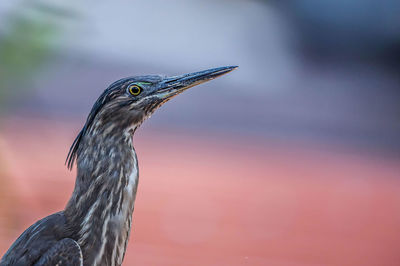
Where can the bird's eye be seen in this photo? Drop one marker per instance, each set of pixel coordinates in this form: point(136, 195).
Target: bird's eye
point(134, 90)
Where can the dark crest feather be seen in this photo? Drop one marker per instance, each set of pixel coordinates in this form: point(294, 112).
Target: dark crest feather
point(101, 101)
point(105, 97)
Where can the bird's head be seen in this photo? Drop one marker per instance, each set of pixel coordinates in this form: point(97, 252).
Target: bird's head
point(126, 103)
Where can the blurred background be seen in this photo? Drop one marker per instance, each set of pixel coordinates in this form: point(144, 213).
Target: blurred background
point(293, 159)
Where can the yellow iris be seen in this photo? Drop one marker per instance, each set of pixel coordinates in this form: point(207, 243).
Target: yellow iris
point(135, 90)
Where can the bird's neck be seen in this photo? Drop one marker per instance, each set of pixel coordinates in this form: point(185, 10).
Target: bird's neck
point(102, 203)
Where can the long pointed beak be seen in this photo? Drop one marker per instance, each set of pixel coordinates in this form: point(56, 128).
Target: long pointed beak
point(172, 86)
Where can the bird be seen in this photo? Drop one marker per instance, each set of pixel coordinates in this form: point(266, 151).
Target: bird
point(95, 226)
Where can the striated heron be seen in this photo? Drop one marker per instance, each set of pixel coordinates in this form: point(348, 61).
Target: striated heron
point(94, 227)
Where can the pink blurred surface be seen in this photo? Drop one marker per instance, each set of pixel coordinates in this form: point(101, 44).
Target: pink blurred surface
point(215, 201)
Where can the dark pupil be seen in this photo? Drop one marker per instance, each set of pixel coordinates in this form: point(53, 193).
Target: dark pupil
point(135, 90)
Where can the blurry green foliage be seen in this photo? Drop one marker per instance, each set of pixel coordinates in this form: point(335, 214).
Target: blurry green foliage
point(25, 44)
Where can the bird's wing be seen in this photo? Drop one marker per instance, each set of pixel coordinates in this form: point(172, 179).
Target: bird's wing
point(39, 240)
point(65, 252)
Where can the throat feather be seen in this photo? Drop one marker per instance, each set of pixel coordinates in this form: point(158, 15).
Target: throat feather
point(104, 207)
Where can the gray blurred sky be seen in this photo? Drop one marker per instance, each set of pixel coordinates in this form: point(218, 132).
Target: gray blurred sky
point(277, 92)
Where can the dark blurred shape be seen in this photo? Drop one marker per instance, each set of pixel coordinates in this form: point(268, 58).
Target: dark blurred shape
point(367, 29)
